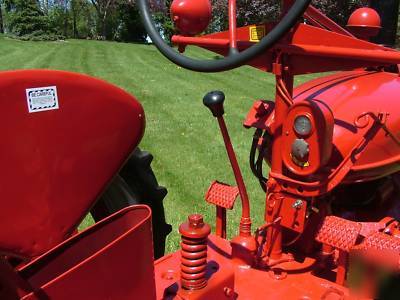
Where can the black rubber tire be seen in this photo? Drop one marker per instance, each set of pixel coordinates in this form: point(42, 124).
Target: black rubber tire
point(137, 184)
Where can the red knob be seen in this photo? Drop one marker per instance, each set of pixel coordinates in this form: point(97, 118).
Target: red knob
point(195, 227)
point(364, 23)
point(191, 17)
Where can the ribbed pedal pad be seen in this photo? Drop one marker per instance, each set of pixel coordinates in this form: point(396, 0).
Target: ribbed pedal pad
point(222, 194)
point(381, 249)
point(380, 241)
point(339, 233)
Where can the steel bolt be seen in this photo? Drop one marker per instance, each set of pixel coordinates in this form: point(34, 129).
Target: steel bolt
point(228, 292)
point(271, 184)
point(196, 221)
point(277, 274)
point(297, 204)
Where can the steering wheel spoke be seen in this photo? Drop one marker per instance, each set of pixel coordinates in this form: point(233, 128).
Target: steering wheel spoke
point(232, 26)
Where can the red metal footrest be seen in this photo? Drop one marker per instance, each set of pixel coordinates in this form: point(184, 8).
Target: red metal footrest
point(380, 241)
point(221, 194)
point(364, 239)
point(382, 249)
point(338, 232)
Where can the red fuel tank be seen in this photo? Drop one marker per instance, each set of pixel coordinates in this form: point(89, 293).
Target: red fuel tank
point(64, 136)
point(349, 95)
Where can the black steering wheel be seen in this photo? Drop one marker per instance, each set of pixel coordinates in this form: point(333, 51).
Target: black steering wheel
point(234, 59)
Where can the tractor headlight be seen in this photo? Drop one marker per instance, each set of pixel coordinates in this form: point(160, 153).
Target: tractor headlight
point(307, 137)
point(302, 125)
point(300, 152)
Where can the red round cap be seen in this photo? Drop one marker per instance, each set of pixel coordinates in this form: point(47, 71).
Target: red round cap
point(365, 17)
point(191, 17)
point(364, 23)
point(195, 227)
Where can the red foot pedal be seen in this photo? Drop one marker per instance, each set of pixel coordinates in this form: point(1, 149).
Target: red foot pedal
point(382, 249)
point(222, 194)
point(339, 233)
point(380, 241)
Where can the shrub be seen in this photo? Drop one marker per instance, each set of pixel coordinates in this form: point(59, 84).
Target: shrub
point(28, 23)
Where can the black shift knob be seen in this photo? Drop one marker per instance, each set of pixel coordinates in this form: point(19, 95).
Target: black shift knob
point(215, 102)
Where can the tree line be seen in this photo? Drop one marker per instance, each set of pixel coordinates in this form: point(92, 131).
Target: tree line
point(60, 19)
point(119, 19)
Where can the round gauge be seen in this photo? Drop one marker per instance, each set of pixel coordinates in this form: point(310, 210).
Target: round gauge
point(302, 125)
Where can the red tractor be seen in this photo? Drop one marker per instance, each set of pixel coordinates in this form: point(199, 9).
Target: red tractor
point(332, 191)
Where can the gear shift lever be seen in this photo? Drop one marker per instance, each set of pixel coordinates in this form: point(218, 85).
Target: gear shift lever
point(215, 102)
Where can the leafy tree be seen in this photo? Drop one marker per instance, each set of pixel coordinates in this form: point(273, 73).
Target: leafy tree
point(25, 17)
point(79, 10)
point(130, 27)
point(248, 12)
point(1, 17)
point(82, 19)
point(45, 5)
point(104, 9)
point(161, 14)
point(59, 16)
point(256, 11)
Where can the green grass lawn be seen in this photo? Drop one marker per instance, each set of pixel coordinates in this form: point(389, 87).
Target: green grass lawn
point(181, 133)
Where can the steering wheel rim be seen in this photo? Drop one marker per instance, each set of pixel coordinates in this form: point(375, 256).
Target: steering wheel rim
point(232, 61)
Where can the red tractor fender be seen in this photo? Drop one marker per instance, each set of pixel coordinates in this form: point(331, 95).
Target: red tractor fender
point(64, 136)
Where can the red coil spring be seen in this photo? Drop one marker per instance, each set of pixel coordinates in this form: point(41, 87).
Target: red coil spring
point(193, 263)
point(194, 252)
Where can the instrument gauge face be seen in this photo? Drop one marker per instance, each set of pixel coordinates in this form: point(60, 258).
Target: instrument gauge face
point(302, 125)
